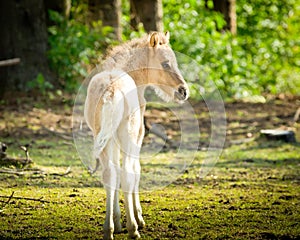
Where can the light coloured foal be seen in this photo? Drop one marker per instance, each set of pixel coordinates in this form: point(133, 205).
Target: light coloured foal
point(114, 111)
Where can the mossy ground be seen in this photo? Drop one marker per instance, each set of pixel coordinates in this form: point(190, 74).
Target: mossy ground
point(253, 192)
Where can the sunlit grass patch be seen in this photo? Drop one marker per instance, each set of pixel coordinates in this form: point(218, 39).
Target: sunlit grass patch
point(251, 192)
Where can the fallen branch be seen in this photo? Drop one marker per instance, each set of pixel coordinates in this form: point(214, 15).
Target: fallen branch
point(5, 160)
point(25, 198)
point(9, 62)
point(11, 172)
point(278, 134)
point(62, 174)
point(21, 172)
point(297, 115)
point(8, 161)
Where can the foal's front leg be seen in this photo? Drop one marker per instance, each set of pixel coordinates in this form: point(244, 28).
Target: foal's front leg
point(136, 198)
point(117, 211)
point(127, 183)
point(137, 169)
point(130, 185)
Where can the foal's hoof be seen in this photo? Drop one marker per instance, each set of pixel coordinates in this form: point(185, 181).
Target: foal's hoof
point(141, 224)
point(134, 235)
point(108, 236)
point(118, 228)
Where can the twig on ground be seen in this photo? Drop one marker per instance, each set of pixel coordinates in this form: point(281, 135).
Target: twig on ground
point(25, 148)
point(7, 202)
point(25, 198)
point(297, 115)
point(11, 172)
point(21, 172)
point(68, 143)
point(68, 171)
point(11, 196)
point(34, 171)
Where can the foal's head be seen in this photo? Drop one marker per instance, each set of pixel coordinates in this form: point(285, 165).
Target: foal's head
point(163, 70)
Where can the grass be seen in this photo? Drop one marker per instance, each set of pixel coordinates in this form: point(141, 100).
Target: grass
point(251, 193)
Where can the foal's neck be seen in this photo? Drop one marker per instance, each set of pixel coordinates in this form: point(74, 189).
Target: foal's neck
point(141, 80)
point(135, 63)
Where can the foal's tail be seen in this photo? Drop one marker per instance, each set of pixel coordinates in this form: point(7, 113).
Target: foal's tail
point(111, 117)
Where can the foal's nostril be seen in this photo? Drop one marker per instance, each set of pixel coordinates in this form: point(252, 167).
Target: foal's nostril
point(182, 91)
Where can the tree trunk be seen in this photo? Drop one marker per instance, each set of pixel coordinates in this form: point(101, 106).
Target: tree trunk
point(61, 6)
point(109, 12)
point(149, 12)
point(227, 8)
point(24, 36)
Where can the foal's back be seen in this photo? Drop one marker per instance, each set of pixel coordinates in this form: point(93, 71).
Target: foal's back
point(111, 98)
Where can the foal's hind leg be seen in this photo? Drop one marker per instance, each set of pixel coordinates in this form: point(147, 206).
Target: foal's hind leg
point(117, 211)
point(110, 180)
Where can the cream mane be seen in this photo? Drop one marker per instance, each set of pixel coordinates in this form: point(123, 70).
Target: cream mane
point(127, 46)
point(135, 43)
point(124, 56)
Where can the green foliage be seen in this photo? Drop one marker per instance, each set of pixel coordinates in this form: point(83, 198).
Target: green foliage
point(274, 42)
point(127, 32)
point(39, 83)
point(264, 57)
point(75, 45)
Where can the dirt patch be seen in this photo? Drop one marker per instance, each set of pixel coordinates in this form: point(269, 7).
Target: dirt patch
point(32, 117)
point(243, 120)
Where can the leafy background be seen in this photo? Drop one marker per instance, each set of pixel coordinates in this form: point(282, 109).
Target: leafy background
point(262, 59)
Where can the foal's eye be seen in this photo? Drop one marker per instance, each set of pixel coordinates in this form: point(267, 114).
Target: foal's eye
point(165, 65)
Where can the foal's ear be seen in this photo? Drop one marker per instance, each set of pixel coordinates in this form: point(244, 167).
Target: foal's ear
point(167, 35)
point(154, 39)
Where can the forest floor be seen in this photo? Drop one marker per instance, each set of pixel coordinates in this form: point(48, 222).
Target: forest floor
point(251, 192)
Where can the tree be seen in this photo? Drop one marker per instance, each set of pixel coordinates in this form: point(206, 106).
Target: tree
point(109, 12)
point(24, 35)
point(149, 12)
point(227, 8)
point(61, 6)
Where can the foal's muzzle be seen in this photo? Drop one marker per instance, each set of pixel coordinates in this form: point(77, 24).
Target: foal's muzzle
point(181, 94)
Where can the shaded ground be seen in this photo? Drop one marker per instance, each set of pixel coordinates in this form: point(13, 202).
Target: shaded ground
point(31, 118)
point(251, 193)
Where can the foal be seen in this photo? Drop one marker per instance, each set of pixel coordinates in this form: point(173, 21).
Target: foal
point(114, 111)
